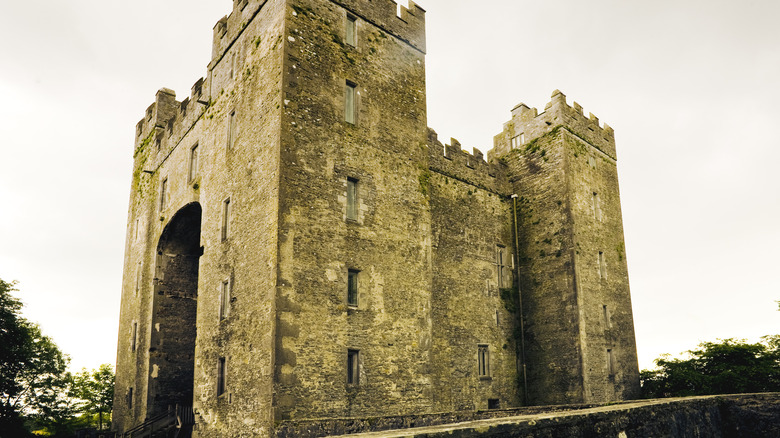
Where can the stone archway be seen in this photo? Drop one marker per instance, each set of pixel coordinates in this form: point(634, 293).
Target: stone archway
point(175, 302)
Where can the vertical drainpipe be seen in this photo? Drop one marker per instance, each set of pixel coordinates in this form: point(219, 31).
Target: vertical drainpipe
point(520, 302)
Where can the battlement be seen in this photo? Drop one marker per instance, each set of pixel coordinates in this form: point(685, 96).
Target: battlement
point(166, 120)
point(229, 27)
point(453, 161)
point(407, 24)
point(527, 124)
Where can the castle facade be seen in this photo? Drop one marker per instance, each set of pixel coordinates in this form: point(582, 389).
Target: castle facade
point(301, 245)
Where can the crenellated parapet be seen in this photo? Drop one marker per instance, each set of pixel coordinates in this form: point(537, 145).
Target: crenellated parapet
point(452, 161)
point(167, 120)
point(527, 124)
point(407, 24)
point(229, 27)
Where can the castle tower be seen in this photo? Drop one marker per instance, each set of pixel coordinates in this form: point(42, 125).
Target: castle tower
point(301, 246)
point(579, 331)
point(274, 268)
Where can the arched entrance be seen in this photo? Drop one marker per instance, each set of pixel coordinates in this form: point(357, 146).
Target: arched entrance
point(175, 302)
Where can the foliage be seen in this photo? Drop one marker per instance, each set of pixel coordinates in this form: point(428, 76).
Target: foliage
point(36, 392)
point(31, 366)
point(726, 367)
point(95, 392)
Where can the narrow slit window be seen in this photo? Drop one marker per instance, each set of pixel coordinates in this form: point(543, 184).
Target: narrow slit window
point(225, 219)
point(231, 135)
point(610, 362)
point(352, 194)
point(607, 317)
point(602, 266)
point(164, 194)
point(350, 102)
point(351, 33)
point(501, 265)
point(221, 370)
point(352, 288)
point(138, 274)
point(483, 361)
point(193, 173)
point(353, 367)
point(134, 337)
point(596, 206)
point(224, 299)
point(130, 398)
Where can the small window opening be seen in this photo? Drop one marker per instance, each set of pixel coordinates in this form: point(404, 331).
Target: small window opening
point(493, 403)
point(221, 369)
point(353, 367)
point(193, 171)
point(130, 398)
point(351, 33)
point(352, 288)
point(164, 194)
point(610, 362)
point(225, 218)
point(607, 317)
point(352, 194)
point(602, 266)
point(231, 137)
point(483, 361)
point(596, 206)
point(134, 337)
point(501, 266)
point(138, 274)
point(224, 299)
point(349, 102)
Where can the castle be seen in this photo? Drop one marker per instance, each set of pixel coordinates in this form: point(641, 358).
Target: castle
point(301, 245)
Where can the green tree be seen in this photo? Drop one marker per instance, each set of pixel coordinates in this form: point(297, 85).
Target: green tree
point(95, 390)
point(725, 367)
point(31, 368)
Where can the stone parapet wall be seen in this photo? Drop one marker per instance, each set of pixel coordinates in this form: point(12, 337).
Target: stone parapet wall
point(746, 415)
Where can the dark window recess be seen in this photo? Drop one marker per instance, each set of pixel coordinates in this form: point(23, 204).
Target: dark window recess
point(352, 288)
point(353, 367)
point(221, 368)
point(483, 361)
point(352, 194)
point(493, 403)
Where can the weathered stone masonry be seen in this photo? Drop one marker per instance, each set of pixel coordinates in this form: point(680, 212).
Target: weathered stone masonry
point(302, 159)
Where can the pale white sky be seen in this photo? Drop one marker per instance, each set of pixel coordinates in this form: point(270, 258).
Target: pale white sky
point(690, 86)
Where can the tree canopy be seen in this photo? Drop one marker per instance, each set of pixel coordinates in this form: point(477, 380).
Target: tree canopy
point(726, 367)
point(36, 391)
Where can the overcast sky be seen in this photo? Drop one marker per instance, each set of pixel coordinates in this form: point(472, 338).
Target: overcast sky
point(692, 89)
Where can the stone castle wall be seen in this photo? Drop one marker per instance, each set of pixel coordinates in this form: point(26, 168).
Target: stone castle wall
point(262, 157)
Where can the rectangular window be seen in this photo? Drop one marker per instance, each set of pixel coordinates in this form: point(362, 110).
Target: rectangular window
point(352, 194)
point(483, 361)
point(164, 194)
point(130, 398)
point(596, 207)
point(231, 135)
point(225, 218)
point(193, 171)
point(352, 288)
point(351, 34)
point(134, 337)
point(610, 362)
point(602, 266)
point(221, 369)
point(607, 317)
point(137, 225)
point(518, 141)
point(349, 102)
point(501, 265)
point(224, 299)
point(353, 367)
